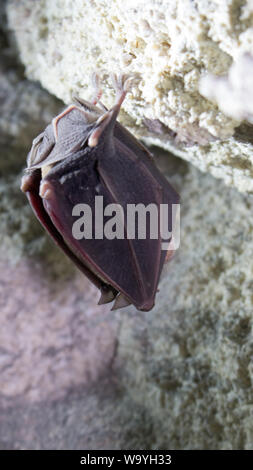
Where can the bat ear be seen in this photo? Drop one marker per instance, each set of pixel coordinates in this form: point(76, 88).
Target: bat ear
point(105, 124)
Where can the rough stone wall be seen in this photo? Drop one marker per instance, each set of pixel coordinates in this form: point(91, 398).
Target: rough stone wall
point(170, 46)
point(74, 375)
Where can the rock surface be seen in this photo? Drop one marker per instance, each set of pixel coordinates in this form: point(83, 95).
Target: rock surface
point(233, 93)
point(169, 46)
point(74, 375)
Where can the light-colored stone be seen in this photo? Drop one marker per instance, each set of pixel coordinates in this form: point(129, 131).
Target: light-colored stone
point(190, 359)
point(177, 377)
point(169, 45)
point(74, 375)
point(233, 93)
point(25, 110)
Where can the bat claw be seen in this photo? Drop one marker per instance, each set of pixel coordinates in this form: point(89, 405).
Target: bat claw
point(122, 84)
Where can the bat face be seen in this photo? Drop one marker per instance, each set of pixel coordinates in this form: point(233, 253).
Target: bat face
point(86, 161)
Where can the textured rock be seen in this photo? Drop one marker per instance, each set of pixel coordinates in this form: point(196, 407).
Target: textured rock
point(25, 110)
point(71, 341)
point(233, 93)
point(191, 357)
point(74, 375)
point(179, 376)
point(169, 45)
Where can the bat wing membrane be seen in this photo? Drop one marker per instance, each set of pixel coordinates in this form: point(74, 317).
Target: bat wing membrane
point(111, 260)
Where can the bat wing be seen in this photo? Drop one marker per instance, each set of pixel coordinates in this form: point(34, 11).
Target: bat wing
point(66, 135)
point(75, 182)
point(141, 153)
point(89, 156)
point(130, 266)
point(32, 183)
point(131, 181)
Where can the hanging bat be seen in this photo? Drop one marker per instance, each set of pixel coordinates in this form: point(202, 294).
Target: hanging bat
point(85, 153)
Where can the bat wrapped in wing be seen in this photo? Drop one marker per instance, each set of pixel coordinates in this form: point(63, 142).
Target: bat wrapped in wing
point(85, 156)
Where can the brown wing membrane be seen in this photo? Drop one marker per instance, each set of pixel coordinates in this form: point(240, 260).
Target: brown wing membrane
point(32, 183)
point(112, 260)
point(141, 153)
point(135, 185)
point(85, 156)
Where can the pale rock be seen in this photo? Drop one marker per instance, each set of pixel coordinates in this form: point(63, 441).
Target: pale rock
point(169, 45)
point(74, 375)
point(233, 93)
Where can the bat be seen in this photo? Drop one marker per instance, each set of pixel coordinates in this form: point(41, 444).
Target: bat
point(84, 156)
